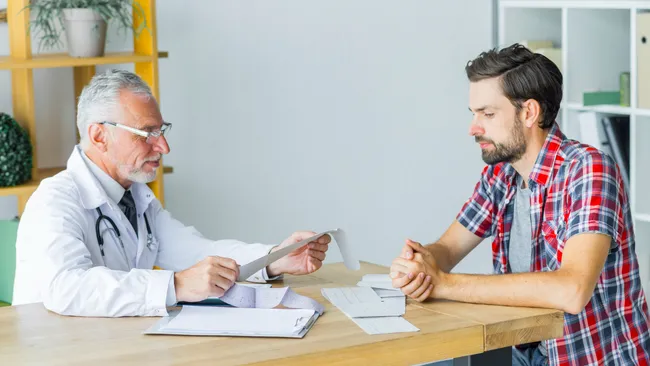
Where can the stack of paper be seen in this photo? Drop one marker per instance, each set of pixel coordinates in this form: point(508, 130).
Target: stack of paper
point(261, 296)
point(268, 298)
point(226, 321)
point(379, 281)
point(374, 313)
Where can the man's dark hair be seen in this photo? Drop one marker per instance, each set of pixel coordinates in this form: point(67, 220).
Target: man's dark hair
point(524, 75)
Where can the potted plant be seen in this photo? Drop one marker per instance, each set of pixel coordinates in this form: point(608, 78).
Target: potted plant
point(83, 21)
point(15, 153)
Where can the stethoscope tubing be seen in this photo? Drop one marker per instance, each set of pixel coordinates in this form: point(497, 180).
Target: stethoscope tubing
point(100, 239)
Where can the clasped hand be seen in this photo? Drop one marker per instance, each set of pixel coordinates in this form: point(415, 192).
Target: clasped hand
point(415, 272)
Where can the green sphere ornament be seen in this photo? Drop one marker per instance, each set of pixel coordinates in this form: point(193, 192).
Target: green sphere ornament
point(15, 153)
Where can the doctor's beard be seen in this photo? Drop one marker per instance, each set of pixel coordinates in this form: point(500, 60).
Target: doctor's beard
point(138, 175)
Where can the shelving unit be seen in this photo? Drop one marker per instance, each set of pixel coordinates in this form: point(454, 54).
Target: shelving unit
point(598, 41)
point(21, 62)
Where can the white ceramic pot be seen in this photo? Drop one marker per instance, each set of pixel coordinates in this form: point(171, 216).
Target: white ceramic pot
point(85, 31)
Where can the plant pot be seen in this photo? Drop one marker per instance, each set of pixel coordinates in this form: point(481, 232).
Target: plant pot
point(85, 31)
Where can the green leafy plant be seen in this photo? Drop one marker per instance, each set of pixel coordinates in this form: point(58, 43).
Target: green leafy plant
point(48, 23)
point(15, 153)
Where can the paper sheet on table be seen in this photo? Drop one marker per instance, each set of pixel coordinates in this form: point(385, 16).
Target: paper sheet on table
point(339, 236)
point(362, 302)
point(383, 293)
point(242, 296)
point(382, 281)
point(201, 320)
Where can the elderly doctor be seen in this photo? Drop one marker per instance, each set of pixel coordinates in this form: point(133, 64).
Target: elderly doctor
point(90, 236)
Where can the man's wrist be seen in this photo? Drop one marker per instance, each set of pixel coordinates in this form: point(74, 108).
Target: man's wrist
point(176, 287)
point(171, 299)
point(442, 287)
point(274, 269)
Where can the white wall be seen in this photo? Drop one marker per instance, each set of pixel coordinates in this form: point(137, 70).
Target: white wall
point(320, 114)
point(313, 115)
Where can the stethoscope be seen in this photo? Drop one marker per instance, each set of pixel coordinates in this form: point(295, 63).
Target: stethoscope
point(100, 239)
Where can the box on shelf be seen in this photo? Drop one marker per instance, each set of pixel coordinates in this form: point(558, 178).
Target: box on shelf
point(536, 44)
point(545, 47)
point(601, 97)
point(553, 54)
point(643, 59)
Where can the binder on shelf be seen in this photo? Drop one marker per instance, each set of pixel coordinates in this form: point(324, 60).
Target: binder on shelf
point(617, 133)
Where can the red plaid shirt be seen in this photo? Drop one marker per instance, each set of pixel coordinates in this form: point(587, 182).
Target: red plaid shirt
point(574, 189)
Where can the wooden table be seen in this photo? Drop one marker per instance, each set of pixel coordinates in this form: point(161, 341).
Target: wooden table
point(29, 334)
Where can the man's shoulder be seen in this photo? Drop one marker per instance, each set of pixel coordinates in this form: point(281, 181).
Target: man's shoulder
point(575, 156)
point(53, 189)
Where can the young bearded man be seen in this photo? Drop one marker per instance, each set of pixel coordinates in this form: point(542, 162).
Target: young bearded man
point(559, 215)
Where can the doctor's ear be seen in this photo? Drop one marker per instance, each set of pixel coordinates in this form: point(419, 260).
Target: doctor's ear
point(98, 136)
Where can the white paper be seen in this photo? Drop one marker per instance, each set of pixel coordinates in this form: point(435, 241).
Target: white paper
point(377, 281)
point(266, 298)
point(257, 285)
point(383, 293)
point(260, 285)
point(339, 236)
point(240, 296)
point(356, 302)
point(376, 278)
point(396, 304)
point(237, 321)
point(371, 312)
point(384, 325)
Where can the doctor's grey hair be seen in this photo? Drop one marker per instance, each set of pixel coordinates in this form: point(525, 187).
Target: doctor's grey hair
point(100, 99)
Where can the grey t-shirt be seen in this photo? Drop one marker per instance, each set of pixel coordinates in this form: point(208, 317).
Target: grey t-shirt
point(521, 242)
point(520, 248)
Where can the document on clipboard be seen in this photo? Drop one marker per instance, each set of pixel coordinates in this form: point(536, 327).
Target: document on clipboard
point(236, 322)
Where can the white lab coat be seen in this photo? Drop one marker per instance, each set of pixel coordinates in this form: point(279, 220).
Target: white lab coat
point(58, 261)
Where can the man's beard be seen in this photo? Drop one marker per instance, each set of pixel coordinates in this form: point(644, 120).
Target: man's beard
point(506, 152)
point(138, 175)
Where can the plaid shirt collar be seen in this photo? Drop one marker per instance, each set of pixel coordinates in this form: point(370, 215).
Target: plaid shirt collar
point(543, 168)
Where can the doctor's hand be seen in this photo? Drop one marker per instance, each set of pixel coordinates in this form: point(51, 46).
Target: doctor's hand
point(212, 276)
point(304, 260)
point(415, 271)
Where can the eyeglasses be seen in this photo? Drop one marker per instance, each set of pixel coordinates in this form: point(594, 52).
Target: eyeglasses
point(150, 137)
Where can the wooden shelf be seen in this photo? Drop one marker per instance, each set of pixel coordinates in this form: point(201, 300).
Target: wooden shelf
point(52, 60)
point(29, 187)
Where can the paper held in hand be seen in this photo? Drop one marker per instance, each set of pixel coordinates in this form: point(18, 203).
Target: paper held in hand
point(339, 236)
